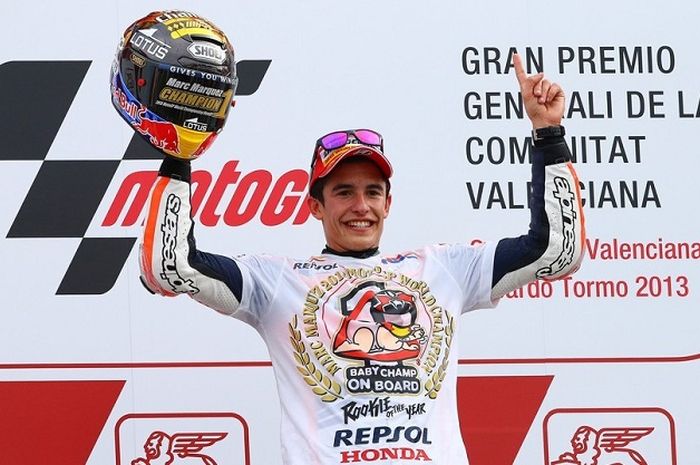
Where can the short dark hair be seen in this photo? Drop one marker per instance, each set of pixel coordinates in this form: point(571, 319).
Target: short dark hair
point(316, 190)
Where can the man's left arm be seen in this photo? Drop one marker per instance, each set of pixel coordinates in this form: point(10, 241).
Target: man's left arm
point(554, 245)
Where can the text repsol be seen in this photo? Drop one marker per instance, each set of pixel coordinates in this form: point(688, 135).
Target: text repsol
point(381, 434)
point(243, 196)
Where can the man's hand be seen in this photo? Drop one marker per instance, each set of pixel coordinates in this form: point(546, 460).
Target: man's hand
point(544, 100)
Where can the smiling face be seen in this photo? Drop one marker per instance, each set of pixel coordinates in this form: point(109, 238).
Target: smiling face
point(355, 204)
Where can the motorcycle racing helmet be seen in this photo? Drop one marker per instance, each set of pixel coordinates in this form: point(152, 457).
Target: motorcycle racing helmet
point(173, 80)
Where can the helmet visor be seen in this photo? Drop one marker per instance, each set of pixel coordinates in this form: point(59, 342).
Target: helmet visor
point(193, 99)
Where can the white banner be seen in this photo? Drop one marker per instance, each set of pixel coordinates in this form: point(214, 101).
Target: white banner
point(609, 356)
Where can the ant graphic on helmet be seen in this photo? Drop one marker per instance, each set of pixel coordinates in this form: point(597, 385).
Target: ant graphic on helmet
point(381, 326)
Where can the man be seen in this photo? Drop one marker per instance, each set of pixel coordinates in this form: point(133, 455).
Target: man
point(363, 345)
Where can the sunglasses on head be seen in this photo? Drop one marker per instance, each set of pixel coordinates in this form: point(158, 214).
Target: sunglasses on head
point(338, 139)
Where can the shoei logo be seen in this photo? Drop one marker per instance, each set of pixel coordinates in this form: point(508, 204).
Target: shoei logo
point(608, 436)
point(138, 60)
point(181, 438)
point(207, 51)
point(97, 261)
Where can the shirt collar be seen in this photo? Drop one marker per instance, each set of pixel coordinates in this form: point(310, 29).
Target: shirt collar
point(352, 253)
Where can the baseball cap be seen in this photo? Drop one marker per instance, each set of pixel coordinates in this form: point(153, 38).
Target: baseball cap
point(337, 146)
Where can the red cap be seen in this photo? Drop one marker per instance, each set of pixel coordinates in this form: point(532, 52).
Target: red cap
point(325, 161)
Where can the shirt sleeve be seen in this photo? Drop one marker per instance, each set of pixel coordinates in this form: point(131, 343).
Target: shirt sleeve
point(553, 248)
point(471, 268)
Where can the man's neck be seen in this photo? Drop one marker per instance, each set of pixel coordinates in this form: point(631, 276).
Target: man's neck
point(353, 253)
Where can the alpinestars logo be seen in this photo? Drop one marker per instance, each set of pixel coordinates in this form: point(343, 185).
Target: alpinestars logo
point(169, 265)
point(567, 204)
point(57, 206)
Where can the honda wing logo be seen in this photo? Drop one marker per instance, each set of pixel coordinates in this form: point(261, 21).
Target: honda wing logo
point(609, 436)
point(161, 448)
point(604, 446)
point(179, 438)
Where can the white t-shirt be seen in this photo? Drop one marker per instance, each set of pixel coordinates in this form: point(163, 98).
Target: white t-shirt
point(365, 350)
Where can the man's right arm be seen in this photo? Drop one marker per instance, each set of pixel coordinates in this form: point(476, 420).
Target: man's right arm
point(169, 259)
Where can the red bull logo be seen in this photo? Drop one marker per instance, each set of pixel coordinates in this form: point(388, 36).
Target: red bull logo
point(127, 106)
point(162, 134)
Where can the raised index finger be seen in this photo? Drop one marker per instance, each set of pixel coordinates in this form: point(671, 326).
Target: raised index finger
point(519, 70)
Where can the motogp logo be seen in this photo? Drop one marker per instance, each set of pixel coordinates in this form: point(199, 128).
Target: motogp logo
point(97, 261)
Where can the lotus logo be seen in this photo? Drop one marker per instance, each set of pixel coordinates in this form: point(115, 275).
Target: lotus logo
point(194, 123)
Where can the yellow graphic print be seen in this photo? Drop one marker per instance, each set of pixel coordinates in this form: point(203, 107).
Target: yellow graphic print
point(180, 27)
point(321, 385)
point(384, 331)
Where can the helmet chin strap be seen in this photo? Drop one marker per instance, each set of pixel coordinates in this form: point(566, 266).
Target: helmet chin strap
point(366, 253)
